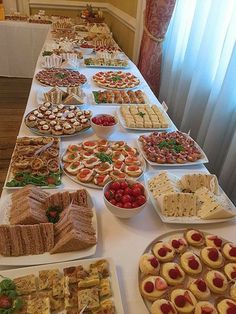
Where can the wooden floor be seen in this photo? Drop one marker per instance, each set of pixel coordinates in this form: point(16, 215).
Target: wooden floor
point(13, 98)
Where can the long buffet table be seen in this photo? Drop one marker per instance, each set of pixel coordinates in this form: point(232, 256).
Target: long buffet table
point(123, 240)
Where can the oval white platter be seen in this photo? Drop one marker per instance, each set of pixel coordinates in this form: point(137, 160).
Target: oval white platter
point(45, 258)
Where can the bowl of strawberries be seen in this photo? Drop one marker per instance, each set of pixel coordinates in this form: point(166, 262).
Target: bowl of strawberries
point(125, 198)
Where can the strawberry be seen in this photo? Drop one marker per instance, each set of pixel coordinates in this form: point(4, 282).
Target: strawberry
point(206, 309)
point(53, 213)
point(218, 282)
point(180, 301)
point(149, 287)
point(166, 308)
point(160, 284)
point(188, 298)
point(201, 285)
point(193, 263)
point(213, 254)
point(154, 262)
point(232, 251)
point(162, 252)
point(196, 237)
point(233, 275)
point(174, 273)
point(217, 241)
point(230, 304)
point(175, 243)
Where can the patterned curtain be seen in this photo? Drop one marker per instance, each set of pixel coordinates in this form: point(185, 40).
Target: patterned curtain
point(157, 17)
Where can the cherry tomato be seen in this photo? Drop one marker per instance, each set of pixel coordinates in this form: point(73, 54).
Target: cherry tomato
point(113, 201)
point(5, 302)
point(119, 204)
point(118, 197)
point(141, 199)
point(128, 191)
point(109, 195)
point(120, 191)
point(136, 191)
point(135, 205)
point(126, 199)
point(123, 185)
point(127, 205)
point(138, 185)
point(115, 185)
point(51, 180)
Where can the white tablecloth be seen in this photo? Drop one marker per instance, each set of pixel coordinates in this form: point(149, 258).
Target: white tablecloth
point(123, 240)
point(20, 45)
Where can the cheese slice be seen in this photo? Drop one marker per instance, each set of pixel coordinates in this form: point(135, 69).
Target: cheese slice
point(192, 182)
point(210, 206)
point(162, 184)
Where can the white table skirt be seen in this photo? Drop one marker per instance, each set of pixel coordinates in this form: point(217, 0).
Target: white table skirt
point(122, 239)
point(20, 45)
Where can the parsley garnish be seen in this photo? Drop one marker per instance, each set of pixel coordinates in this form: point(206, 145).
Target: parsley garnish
point(171, 144)
point(116, 78)
point(104, 157)
point(141, 114)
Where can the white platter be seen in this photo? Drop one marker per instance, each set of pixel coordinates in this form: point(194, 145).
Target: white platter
point(167, 119)
point(111, 88)
point(185, 220)
point(40, 97)
point(147, 101)
point(14, 273)
point(200, 161)
point(106, 66)
point(45, 258)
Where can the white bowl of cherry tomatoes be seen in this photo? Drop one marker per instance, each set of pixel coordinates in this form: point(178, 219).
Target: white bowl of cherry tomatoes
point(103, 124)
point(125, 198)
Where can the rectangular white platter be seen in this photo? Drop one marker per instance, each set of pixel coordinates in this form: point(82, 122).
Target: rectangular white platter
point(93, 101)
point(45, 258)
point(203, 160)
point(14, 273)
point(167, 118)
point(185, 220)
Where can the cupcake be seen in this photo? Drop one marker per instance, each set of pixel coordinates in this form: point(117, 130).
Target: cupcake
point(212, 257)
point(191, 263)
point(183, 300)
point(230, 271)
point(213, 241)
point(163, 251)
point(194, 237)
point(149, 264)
point(179, 244)
point(216, 281)
point(205, 307)
point(172, 273)
point(163, 306)
point(229, 251)
point(226, 306)
point(153, 287)
point(199, 289)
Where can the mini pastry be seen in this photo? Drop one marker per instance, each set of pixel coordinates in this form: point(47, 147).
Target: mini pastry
point(101, 179)
point(172, 273)
point(45, 129)
point(31, 121)
point(118, 156)
point(232, 291)
point(119, 145)
point(212, 257)
point(163, 306)
point(89, 145)
point(199, 289)
point(229, 251)
point(194, 237)
point(129, 161)
point(42, 122)
point(53, 123)
point(85, 175)
point(133, 171)
point(163, 251)
point(74, 148)
point(149, 264)
point(119, 165)
point(77, 125)
point(153, 287)
point(87, 154)
point(191, 263)
point(103, 143)
point(57, 130)
point(48, 113)
point(74, 167)
point(43, 109)
point(91, 162)
point(216, 281)
point(226, 306)
point(104, 168)
point(68, 129)
point(117, 175)
point(183, 300)
point(205, 307)
point(70, 157)
point(179, 244)
point(230, 271)
point(103, 149)
point(213, 241)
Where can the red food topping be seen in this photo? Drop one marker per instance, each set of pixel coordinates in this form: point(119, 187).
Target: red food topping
point(231, 310)
point(217, 242)
point(174, 273)
point(196, 237)
point(233, 274)
point(231, 305)
point(162, 252)
point(232, 251)
point(201, 285)
point(160, 284)
point(218, 282)
point(193, 264)
point(104, 120)
point(180, 301)
point(207, 309)
point(166, 308)
point(213, 254)
point(149, 287)
point(154, 262)
point(5, 302)
point(176, 244)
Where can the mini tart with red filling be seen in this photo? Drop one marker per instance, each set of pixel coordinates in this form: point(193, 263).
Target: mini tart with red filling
point(229, 251)
point(117, 175)
point(70, 157)
point(232, 291)
point(212, 257)
point(216, 281)
point(213, 241)
point(226, 306)
point(103, 149)
point(163, 251)
point(129, 161)
point(205, 307)
point(103, 143)
point(73, 148)
point(173, 273)
point(101, 179)
point(119, 165)
point(118, 145)
point(163, 306)
point(85, 175)
point(153, 287)
point(180, 245)
point(183, 300)
point(199, 289)
point(89, 145)
point(191, 263)
point(104, 168)
point(230, 271)
point(118, 156)
point(133, 171)
point(149, 264)
point(87, 154)
point(74, 167)
point(91, 162)
point(194, 237)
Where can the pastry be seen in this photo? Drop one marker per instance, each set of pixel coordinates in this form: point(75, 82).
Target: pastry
point(163, 306)
point(194, 237)
point(85, 175)
point(172, 273)
point(179, 244)
point(74, 167)
point(232, 291)
point(101, 179)
point(149, 264)
point(205, 307)
point(183, 300)
point(229, 251)
point(46, 278)
point(199, 289)
point(213, 241)
point(133, 171)
point(212, 257)
point(230, 271)
point(191, 263)
point(226, 306)
point(163, 251)
point(216, 281)
point(153, 287)
point(91, 162)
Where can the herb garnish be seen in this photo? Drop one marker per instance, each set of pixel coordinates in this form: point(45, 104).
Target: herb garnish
point(171, 144)
point(116, 78)
point(10, 301)
point(61, 75)
point(104, 157)
point(53, 213)
point(24, 178)
point(47, 53)
point(141, 114)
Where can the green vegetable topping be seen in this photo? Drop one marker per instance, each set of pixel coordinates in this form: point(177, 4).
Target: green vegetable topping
point(53, 213)
point(141, 114)
point(104, 157)
point(10, 301)
point(24, 178)
point(116, 78)
point(171, 144)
